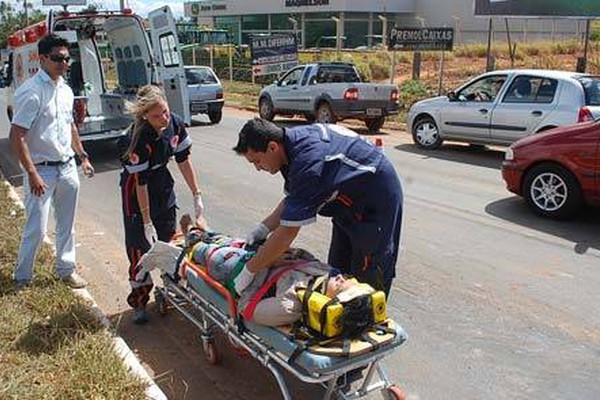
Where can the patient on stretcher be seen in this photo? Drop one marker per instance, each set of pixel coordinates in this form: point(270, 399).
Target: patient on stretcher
point(223, 257)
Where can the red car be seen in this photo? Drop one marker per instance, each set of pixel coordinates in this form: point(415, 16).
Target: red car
point(556, 171)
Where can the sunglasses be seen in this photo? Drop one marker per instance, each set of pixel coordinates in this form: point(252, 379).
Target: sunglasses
point(59, 58)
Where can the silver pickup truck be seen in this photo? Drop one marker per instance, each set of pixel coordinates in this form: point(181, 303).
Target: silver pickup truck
point(329, 92)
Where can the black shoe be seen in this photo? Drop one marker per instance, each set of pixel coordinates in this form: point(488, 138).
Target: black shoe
point(140, 316)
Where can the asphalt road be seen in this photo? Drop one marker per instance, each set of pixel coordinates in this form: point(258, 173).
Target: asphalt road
point(498, 303)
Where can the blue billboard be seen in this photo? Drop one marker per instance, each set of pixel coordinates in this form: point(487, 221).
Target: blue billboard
point(272, 54)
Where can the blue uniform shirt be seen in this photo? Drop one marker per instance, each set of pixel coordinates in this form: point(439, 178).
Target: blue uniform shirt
point(323, 161)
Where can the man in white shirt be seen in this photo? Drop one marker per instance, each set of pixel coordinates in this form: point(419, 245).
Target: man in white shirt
point(46, 140)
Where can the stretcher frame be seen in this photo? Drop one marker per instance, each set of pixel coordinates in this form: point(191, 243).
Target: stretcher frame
point(208, 317)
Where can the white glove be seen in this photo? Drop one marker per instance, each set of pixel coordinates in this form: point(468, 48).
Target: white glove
point(150, 233)
point(243, 280)
point(257, 234)
point(198, 205)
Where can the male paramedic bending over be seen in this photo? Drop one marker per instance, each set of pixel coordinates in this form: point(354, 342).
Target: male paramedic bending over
point(328, 170)
point(45, 138)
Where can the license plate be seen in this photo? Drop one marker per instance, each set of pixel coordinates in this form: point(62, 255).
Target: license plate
point(374, 112)
point(199, 107)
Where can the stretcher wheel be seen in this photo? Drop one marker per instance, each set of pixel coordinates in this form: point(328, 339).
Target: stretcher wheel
point(393, 392)
point(210, 352)
point(161, 303)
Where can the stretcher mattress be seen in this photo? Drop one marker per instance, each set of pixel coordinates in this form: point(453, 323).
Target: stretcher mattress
point(311, 363)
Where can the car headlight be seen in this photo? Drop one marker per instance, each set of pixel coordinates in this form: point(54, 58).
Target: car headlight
point(509, 155)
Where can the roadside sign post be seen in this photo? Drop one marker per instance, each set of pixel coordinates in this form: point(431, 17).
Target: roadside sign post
point(393, 69)
point(441, 80)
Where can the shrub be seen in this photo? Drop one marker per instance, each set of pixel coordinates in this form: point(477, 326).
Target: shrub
point(379, 71)
point(412, 91)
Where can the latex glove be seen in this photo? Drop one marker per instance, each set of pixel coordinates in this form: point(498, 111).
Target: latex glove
point(198, 205)
point(243, 280)
point(150, 233)
point(257, 234)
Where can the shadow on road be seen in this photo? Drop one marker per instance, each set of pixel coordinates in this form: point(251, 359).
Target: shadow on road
point(171, 347)
point(196, 122)
point(479, 156)
point(582, 230)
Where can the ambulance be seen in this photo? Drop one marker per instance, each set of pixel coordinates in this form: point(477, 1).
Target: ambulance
point(111, 57)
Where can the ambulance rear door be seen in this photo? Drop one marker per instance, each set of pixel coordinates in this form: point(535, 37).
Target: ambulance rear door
point(169, 62)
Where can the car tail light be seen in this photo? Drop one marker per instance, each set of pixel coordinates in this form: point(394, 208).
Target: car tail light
point(351, 94)
point(394, 95)
point(219, 94)
point(585, 115)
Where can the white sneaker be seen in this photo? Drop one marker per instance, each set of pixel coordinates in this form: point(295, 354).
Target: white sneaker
point(74, 281)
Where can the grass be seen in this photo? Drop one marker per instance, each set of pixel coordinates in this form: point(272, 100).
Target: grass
point(51, 346)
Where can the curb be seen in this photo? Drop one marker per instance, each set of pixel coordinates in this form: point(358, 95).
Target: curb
point(153, 392)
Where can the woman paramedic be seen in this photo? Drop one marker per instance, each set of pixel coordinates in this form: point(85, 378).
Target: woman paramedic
point(148, 198)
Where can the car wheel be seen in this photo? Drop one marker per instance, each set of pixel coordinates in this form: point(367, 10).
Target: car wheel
point(325, 114)
point(265, 109)
point(552, 191)
point(374, 124)
point(426, 134)
point(215, 116)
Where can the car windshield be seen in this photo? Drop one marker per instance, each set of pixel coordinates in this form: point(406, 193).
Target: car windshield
point(591, 88)
point(196, 76)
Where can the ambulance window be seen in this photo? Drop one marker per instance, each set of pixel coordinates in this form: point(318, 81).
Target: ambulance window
point(136, 51)
point(127, 52)
point(168, 48)
point(118, 53)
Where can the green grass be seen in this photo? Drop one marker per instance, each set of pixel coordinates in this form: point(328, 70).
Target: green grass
point(51, 346)
point(241, 94)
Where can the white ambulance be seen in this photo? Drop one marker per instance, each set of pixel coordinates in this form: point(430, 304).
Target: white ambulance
point(105, 45)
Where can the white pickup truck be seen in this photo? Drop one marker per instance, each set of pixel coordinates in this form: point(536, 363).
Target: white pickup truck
point(329, 92)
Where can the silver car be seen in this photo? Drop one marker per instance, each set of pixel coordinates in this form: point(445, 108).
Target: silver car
point(501, 107)
point(205, 92)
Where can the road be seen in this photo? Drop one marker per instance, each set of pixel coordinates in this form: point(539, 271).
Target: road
point(498, 303)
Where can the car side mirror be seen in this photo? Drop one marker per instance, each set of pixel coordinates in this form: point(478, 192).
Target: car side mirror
point(452, 96)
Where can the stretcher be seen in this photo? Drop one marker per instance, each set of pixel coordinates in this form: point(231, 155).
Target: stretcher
point(210, 307)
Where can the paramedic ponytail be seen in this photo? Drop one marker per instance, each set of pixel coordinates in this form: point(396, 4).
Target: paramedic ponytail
point(147, 97)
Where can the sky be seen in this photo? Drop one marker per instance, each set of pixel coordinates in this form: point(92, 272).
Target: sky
point(140, 7)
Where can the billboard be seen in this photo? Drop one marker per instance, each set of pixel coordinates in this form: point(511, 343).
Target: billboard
point(421, 39)
point(537, 8)
point(272, 54)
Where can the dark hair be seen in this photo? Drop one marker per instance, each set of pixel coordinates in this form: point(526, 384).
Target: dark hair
point(357, 316)
point(50, 41)
point(256, 134)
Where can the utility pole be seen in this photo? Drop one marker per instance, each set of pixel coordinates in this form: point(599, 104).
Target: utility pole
point(26, 13)
point(338, 39)
point(384, 29)
point(122, 4)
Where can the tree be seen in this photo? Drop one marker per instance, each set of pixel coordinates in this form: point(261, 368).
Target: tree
point(12, 20)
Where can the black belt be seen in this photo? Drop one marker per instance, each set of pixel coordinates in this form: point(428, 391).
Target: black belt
point(54, 163)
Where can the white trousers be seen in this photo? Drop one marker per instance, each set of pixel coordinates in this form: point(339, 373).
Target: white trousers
point(62, 193)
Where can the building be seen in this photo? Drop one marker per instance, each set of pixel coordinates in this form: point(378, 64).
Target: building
point(354, 23)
